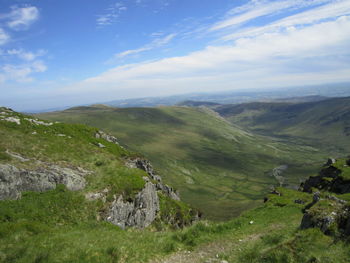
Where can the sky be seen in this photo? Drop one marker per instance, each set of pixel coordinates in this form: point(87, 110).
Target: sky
point(56, 53)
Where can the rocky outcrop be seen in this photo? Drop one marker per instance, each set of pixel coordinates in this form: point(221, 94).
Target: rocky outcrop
point(13, 181)
point(331, 215)
point(38, 122)
point(329, 179)
point(144, 208)
point(145, 165)
point(107, 137)
point(327, 212)
point(139, 213)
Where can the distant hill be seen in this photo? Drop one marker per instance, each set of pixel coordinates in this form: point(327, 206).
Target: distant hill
point(192, 103)
point(241, 95)
point(301, 99)
point(324, 123)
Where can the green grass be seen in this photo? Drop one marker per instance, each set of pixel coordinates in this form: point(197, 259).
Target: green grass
point(61, 226)
point(217, 167)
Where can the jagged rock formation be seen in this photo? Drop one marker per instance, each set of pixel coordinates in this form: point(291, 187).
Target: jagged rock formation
point(140, 213)
point(143, 209)
point(330, 214)
point(107, 137)
point(145, 165)
point(329, 179)
point(327, 212)
point(13, 180)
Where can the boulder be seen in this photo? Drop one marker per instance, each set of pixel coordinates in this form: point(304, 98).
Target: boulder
point(140, 212)
point(329, 179)
point(13, 181)
point(330, 161)
point(331, 216)
point(107, 137)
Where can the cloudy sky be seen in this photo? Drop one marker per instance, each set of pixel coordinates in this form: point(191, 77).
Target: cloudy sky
point(58, 52)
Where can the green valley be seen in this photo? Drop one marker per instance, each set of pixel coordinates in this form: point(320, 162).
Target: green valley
point(218, 167)
point(323, 124)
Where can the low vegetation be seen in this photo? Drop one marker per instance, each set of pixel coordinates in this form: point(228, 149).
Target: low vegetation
point(219, 168)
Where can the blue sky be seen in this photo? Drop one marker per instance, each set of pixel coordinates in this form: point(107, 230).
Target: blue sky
point(56, 52)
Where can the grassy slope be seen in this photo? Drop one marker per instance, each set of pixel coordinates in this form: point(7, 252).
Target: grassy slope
point(60, 225)
point(219, 168)
point(324, 124)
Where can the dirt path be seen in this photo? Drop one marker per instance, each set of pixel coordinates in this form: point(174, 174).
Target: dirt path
point(208, 253)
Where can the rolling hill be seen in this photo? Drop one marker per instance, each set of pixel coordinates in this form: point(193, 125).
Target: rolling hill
point(324, 124)
point(217, 167)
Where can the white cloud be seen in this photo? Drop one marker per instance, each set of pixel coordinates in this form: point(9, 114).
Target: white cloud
point(4, 37)
point(21, 18)
point(158, 42)
point(325, 12)
point(256, 9)
point(275, 59)
point(26, 55)
point(21, 73)
point(111, 15)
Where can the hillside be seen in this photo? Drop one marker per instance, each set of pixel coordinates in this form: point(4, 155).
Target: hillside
point(66, 191)
point(217, 167)
point(324, 124)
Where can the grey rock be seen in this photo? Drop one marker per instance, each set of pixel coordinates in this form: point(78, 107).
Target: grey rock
point(13, 119)
point(330, 161)
point(169, 191)
point(322, 222)
point(316, 197)
point(329, 179)
point(299, 201)
point(334, 222)
point(17, 156)
point(14, 181)
point(139, 213)
point(107, 137)
point(37, 122)
point(101, 145)
point(146, 165)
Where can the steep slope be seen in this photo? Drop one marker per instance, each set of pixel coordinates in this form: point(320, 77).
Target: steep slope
point(325, 124)
point(217, 167)
point(65, 188)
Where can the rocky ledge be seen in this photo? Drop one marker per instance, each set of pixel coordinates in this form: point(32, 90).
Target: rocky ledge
point(329, 179)
point(139, 213)
point(145, 165)
point(328, 212)
point(14, 181)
